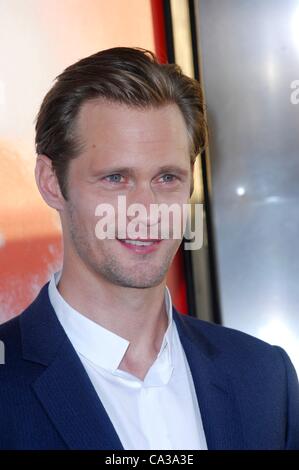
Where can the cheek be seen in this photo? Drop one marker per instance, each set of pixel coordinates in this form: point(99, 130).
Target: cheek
point(84, 203)
point(82, 218)
point(180, 194)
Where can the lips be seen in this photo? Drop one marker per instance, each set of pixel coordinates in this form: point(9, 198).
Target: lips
point(140, 242)
point(139, 245)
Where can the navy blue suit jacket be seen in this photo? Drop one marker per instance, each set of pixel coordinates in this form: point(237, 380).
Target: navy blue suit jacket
point(247, 390)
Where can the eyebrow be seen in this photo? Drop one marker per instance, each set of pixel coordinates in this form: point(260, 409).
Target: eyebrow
point(173, 169)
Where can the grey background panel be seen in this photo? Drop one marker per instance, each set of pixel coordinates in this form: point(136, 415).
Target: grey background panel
point(249, 52)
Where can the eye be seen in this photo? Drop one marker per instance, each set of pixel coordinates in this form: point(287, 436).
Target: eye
point(115, 178)
point(168, 178)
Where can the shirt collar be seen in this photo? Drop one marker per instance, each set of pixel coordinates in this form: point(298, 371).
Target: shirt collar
point(97, 344)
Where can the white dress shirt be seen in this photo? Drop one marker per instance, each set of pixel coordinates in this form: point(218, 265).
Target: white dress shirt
point(159, 412)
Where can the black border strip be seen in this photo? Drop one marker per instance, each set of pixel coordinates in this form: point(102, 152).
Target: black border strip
point(216, 310)
point(168, 31)
point(187, 259)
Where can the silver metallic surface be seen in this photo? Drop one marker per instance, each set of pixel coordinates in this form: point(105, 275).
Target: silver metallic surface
point(249, 52)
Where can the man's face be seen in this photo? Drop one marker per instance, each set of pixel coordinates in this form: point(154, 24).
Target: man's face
point(142, 155)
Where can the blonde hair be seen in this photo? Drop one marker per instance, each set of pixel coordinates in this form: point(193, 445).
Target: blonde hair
point(131, 76)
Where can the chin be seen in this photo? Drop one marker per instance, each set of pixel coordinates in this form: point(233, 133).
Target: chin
point(136, 282)
point(141, 284)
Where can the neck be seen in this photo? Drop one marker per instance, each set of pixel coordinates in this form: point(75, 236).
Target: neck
point(138, 315)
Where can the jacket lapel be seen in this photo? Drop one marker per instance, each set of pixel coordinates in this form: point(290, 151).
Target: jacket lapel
point(216, 398)
point(68, 397)
point(64, 388)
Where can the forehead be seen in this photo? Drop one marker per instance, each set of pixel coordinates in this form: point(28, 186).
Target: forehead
point(114, 126)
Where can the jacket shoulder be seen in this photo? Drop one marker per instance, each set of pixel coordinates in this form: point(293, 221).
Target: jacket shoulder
point(225, 338)
point(12, 341)
point(10, 337)
point(238, 353)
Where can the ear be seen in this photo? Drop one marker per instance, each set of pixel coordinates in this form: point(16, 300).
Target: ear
point(47, 183)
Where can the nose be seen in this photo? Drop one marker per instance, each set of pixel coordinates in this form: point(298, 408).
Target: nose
point(139, 206)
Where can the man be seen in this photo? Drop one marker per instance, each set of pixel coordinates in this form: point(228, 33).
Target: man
point(101, 360)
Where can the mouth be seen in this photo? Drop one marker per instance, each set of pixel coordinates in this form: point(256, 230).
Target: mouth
point(139, 245)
